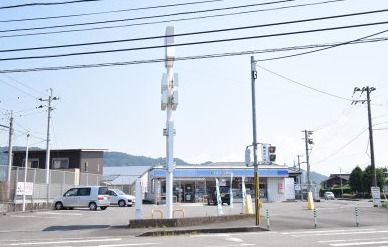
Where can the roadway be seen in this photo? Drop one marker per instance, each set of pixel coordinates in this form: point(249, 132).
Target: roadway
point(291, 225)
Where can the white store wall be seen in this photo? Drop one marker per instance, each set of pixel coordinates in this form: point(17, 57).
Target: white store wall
point(276, 189)
point(290, 188)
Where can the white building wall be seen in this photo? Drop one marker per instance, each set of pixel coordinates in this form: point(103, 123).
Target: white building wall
point(276, 189)
point(290, 188)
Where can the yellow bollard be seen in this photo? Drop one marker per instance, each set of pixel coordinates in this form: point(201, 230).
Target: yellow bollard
point(310, 201)
point(178, 210)
point(153, 211)
point(248, 205)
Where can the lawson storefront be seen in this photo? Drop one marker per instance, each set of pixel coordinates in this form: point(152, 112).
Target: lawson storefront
point(192, 183)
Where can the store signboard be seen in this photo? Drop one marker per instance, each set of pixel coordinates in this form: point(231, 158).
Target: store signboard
point(201, 172)
point(375, 195)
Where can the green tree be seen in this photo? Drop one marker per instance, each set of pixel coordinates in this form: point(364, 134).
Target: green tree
point(367, 178)
point(355, 180)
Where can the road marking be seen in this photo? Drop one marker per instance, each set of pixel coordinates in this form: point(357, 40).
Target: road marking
point(32, 216)
point(231, 245)
point(360, 243)
point(57, 213)
point(65, 242)
point(328, 231)
point(120, 245)
point(53, 239)
point(234, 239)
point(349, 240)
point(337, 233)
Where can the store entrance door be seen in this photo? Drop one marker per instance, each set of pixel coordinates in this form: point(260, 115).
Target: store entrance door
point(188, 192)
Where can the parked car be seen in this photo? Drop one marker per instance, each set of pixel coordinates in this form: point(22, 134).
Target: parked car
point(90, 197)
point(117, 197)
point(329, 195)
point(224, 193)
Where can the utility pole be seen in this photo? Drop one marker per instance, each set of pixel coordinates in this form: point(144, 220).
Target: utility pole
point(300, 178)
point(169, 103)
point(10, 157)
point(368, 90)
point(49, 109)
point(255, 165)
point(308, 140)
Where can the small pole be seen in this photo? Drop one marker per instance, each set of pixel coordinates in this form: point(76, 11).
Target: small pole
point(25, 177)
point(267, 217)
point(315, 217)
point(357, 212)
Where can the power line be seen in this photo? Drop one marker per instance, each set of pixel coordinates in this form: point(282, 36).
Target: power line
point(141, 18)
point(167, 21)
point(321, 49)
point(25, 85)
point(21, 90)
point(196, 33)
point(110, 12)
point(195, 43)
point(162, 60)
point(45, 4)
point(303, 85)
point(342, 147)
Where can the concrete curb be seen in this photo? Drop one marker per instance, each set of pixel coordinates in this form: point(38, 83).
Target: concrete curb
point(159, 233)
point(184, 222)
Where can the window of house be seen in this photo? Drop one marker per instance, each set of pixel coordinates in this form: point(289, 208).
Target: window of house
point(32, 163)
point(60, 163)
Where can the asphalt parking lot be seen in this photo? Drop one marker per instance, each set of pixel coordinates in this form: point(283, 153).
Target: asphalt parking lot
point(284, 216)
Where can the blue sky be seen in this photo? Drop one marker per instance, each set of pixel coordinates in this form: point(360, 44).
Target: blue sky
point(118, 108)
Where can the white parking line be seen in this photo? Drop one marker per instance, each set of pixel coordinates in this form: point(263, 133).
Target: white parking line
point(349, 240)
point(65, 242)
point(360, 243)
point(32, 216)
point(328, 231)
point(57, 213)
point(338, 233)
point(122, 245)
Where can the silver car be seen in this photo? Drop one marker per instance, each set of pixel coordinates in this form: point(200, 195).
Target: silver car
point(90, 197)
point(329, 195)
point(117, 197)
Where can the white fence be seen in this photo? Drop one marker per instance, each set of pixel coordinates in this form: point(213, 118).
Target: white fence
point(60, 181)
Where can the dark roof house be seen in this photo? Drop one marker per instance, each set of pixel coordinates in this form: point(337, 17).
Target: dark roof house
point(86, 160)
point(335, 180)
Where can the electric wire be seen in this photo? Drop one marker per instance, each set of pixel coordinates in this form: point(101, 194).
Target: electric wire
point(111, 11)
point(342, 147)
point(320, 49)
point(45, 4)
point(195, 33)
point(303, 85)
point(140, 18)
point(25, 85)
point(207, 42)
point(167, 21)
point(21, 90)
point(162, 60)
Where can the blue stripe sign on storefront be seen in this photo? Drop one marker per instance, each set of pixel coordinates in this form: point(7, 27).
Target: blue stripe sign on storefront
point(220, 172)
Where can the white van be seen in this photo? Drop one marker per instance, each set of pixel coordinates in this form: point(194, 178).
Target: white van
point(87, 196)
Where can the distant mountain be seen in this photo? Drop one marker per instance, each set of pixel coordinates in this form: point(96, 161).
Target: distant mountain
point(124, 159)
point(317, 177)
